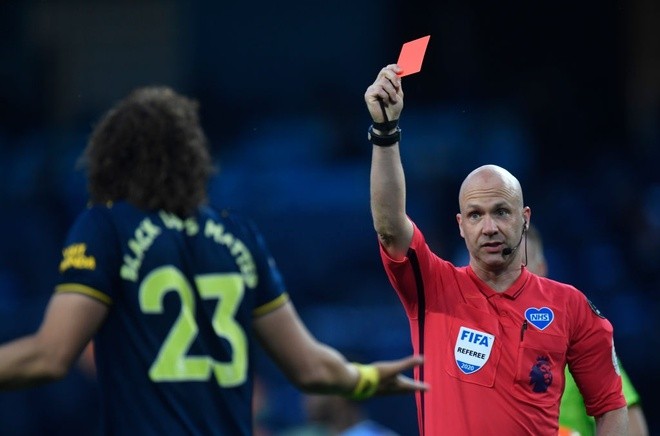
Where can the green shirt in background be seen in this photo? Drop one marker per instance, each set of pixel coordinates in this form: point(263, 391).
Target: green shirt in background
point(572, 413)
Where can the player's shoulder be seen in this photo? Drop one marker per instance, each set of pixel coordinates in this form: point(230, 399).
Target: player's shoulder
point(231, 219)
point(224, 215)
point(94, 214)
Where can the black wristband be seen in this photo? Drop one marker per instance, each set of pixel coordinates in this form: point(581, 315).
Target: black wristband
point(384, 140)
point(386, 126)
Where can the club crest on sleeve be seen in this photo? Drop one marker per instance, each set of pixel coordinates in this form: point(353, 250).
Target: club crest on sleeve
point(539, 318)
point(472, 349)
point(75, 256)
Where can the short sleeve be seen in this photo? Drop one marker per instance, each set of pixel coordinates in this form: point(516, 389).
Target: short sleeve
point(91, 256)
point(409, 274)
point(270, 291)
point(592, 358)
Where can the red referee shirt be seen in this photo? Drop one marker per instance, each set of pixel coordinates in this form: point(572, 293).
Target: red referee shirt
point(495, 361)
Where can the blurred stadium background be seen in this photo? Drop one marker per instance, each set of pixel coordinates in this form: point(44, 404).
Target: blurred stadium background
point(564, 94)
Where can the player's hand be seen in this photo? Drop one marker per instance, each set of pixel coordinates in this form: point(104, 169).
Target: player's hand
point(386, 90)
point(392, 379)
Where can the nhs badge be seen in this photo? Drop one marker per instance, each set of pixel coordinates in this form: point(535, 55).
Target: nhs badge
point(539, 318)
point(472, 349)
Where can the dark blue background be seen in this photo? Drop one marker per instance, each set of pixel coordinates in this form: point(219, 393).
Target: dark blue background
point(566, 95)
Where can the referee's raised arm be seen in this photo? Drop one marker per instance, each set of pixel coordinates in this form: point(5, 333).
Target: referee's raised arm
point(384, 99)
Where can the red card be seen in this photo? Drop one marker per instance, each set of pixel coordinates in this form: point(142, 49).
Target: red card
point(412, 55)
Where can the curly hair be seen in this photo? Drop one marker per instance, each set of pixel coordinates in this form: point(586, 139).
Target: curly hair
point(150, 150)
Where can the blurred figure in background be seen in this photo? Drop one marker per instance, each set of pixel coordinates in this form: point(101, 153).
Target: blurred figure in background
point(572, 412)
point(341, 416)
point(337, 415)
point(173, 291)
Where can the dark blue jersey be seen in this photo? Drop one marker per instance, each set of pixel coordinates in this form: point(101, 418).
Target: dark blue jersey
point(174, 354)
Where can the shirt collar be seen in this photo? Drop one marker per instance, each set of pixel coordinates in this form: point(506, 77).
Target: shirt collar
point(512, 292)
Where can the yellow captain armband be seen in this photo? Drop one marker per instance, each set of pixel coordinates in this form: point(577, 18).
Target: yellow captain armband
point(368, 381)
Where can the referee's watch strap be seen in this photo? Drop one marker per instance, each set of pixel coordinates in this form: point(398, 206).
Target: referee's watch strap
point(386, 126)
point(384, 140)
